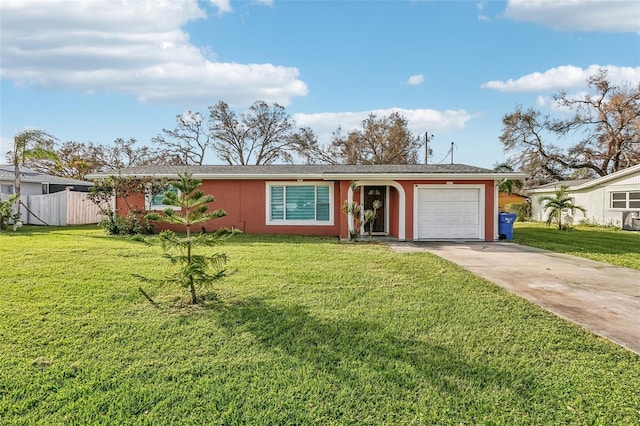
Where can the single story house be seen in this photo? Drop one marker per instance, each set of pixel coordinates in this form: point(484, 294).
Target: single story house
point(418, 202)
point(36, 183)
point(609, 200)
point(50, 200)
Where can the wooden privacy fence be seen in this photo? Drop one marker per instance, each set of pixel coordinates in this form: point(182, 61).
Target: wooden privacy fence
point(60, 209)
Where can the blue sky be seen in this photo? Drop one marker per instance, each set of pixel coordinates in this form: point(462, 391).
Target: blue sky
point(94, 71)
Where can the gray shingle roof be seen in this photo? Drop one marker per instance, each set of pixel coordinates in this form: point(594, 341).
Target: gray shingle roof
point(303, 169)
point(28, 175)
point(581, 184)
point(567, 183)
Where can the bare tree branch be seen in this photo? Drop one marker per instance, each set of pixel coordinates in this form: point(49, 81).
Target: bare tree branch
point(608, 125)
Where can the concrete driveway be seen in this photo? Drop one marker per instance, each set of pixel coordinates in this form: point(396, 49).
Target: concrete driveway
point(600, 297)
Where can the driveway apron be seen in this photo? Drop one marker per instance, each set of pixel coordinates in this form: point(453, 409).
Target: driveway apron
point(600, 297)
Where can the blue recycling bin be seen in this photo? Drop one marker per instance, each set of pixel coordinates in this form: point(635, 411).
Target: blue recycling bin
point(505, 225)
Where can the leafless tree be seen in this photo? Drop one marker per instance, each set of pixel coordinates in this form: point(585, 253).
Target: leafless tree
point(189, 141)
point(606, 123)
point(265, 134)
point(77, 159)
point(385, 140)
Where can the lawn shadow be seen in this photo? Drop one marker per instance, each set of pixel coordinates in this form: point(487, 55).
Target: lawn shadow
point(246, 239)
point(358, 352)
point(32, 230)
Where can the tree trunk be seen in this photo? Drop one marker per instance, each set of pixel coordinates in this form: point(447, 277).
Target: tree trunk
point(192, 287)
point(192, 290)
point(16, 188)
point(560, 220)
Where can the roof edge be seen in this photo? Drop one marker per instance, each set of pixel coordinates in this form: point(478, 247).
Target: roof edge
point(326, 176)
point(589, 184)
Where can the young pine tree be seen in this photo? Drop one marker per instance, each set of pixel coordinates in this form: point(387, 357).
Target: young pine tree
point(193, 270)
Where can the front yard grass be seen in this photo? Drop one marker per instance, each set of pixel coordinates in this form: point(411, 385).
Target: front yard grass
point(306, 331)
point(604, 244)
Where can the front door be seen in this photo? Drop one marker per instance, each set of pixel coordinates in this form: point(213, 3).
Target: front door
point(371, 194)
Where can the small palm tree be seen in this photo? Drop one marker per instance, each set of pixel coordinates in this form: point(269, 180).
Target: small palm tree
point(558, 204)
point(28, 145)
point(508, 185)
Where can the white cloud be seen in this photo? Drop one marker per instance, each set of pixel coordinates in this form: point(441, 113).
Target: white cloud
point(264, 2)
point(563, 78)
point(223, 6)
point(482, 16)
point(419, 120)
point(581, 15)
point(543, 101)
point(136, 48)
point(415, 80)
point(6, 145)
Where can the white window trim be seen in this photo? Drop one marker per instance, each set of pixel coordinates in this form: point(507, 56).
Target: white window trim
point(148, 197)
point(284, 222)
point(627, 200)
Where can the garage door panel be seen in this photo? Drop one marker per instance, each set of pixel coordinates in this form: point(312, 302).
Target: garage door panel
point(448, 213)
point(448, 195)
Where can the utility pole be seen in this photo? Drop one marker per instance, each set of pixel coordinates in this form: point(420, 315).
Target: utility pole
point(426, 147)
point(451, 152)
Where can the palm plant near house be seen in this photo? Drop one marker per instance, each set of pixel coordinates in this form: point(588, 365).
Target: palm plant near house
point(27, 145)
point(194, 270)
point(508, 185)
point(355, 210)
point(558, 204)
point(371, 215)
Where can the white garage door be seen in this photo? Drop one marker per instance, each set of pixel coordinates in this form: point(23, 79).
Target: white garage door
point(448, 213)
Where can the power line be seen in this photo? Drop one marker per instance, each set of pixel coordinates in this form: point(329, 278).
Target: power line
point(449, 153)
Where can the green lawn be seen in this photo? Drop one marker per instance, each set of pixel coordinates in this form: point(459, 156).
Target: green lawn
point(307, 331)
point(609, 245)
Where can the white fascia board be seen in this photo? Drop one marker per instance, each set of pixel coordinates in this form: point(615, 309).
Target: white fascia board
point(591, 183)
point(424, 176)
point(280, 176)
point(217, 176)
point(548, 189)
point(327, 176)
point(610, 177)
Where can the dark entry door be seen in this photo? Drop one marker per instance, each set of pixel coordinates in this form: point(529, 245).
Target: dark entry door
point(371, 194)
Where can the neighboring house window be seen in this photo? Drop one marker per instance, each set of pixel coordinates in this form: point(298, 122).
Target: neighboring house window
point(299, 204)
point(625, 200)
point(154, 201)
point(6, 189)
point(45, 187)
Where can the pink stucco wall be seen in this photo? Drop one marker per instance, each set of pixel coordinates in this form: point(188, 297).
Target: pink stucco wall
point(246, 207)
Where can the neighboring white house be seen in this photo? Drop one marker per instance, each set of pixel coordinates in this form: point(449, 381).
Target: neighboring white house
point(609, 200)
point(36, 183)
point(50, 199)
